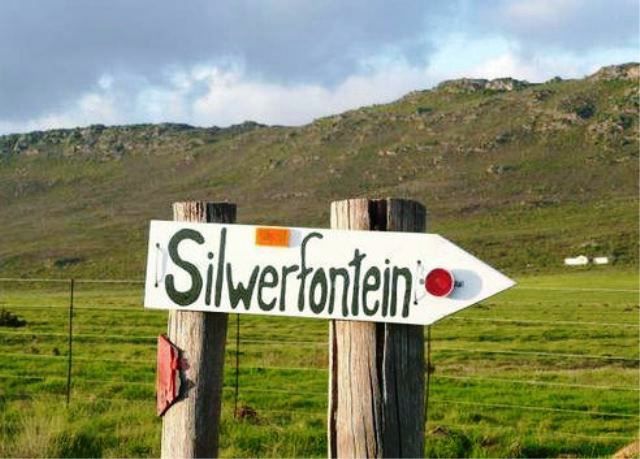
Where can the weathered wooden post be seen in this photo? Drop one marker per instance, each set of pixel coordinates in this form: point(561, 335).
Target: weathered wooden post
point(190, 427)
point(376, 370)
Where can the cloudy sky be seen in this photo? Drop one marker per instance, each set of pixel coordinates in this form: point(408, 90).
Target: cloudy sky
point(65, 63)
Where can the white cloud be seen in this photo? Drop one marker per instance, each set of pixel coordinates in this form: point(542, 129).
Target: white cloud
point(542, 13)
point(230, 98)
point(513, 65)
point(540, 26)
point(209, 94)
point(91, 108)
point(537, 69)
point(61, 48)
point(281, 61)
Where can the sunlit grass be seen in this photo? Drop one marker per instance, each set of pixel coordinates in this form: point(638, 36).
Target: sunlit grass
point(549, 368)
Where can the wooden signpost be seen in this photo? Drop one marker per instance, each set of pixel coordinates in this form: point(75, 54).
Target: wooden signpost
point(378, 287)
point(376, 370)
point(190, 427)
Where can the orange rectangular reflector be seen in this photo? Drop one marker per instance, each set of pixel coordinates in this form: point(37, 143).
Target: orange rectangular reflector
point(274, 237)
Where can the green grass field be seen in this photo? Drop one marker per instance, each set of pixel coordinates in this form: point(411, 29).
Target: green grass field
point(547, 369)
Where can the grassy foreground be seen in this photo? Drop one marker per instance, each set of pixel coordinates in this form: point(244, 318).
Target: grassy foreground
point(547, 369)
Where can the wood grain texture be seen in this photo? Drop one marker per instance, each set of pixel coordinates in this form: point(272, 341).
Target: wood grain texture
point(376, 370)
point(190, 427)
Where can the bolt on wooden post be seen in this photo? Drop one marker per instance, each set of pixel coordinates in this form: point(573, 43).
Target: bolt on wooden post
point(376, 370)
point(190, 427)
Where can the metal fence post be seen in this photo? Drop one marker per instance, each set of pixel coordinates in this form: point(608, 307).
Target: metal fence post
point(237, 385)
point(70, 354)
point(428, 383)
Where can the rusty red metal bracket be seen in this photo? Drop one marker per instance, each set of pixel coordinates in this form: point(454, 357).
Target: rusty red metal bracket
point(167, 375)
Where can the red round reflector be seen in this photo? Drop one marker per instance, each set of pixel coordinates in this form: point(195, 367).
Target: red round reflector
point(439, 282)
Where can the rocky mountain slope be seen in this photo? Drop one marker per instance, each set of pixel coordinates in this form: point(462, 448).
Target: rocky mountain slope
point(521, 174)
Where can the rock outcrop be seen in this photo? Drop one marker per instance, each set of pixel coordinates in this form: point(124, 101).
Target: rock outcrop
point(113, 142)
point(463, 85)
point(628, 71)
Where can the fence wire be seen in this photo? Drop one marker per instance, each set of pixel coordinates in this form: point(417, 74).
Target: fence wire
point(238, 345)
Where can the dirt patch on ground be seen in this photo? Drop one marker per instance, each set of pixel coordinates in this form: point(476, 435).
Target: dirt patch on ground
point(631, 451)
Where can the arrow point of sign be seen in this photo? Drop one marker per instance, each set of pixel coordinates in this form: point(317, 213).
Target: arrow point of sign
point(475, 281)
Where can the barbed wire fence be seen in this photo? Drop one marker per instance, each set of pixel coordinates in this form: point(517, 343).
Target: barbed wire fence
point(65, 379)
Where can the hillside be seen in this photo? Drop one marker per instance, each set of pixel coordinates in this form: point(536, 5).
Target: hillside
point(520, 174)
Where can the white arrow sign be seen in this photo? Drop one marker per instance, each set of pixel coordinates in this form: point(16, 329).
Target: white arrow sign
point(410, 278)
